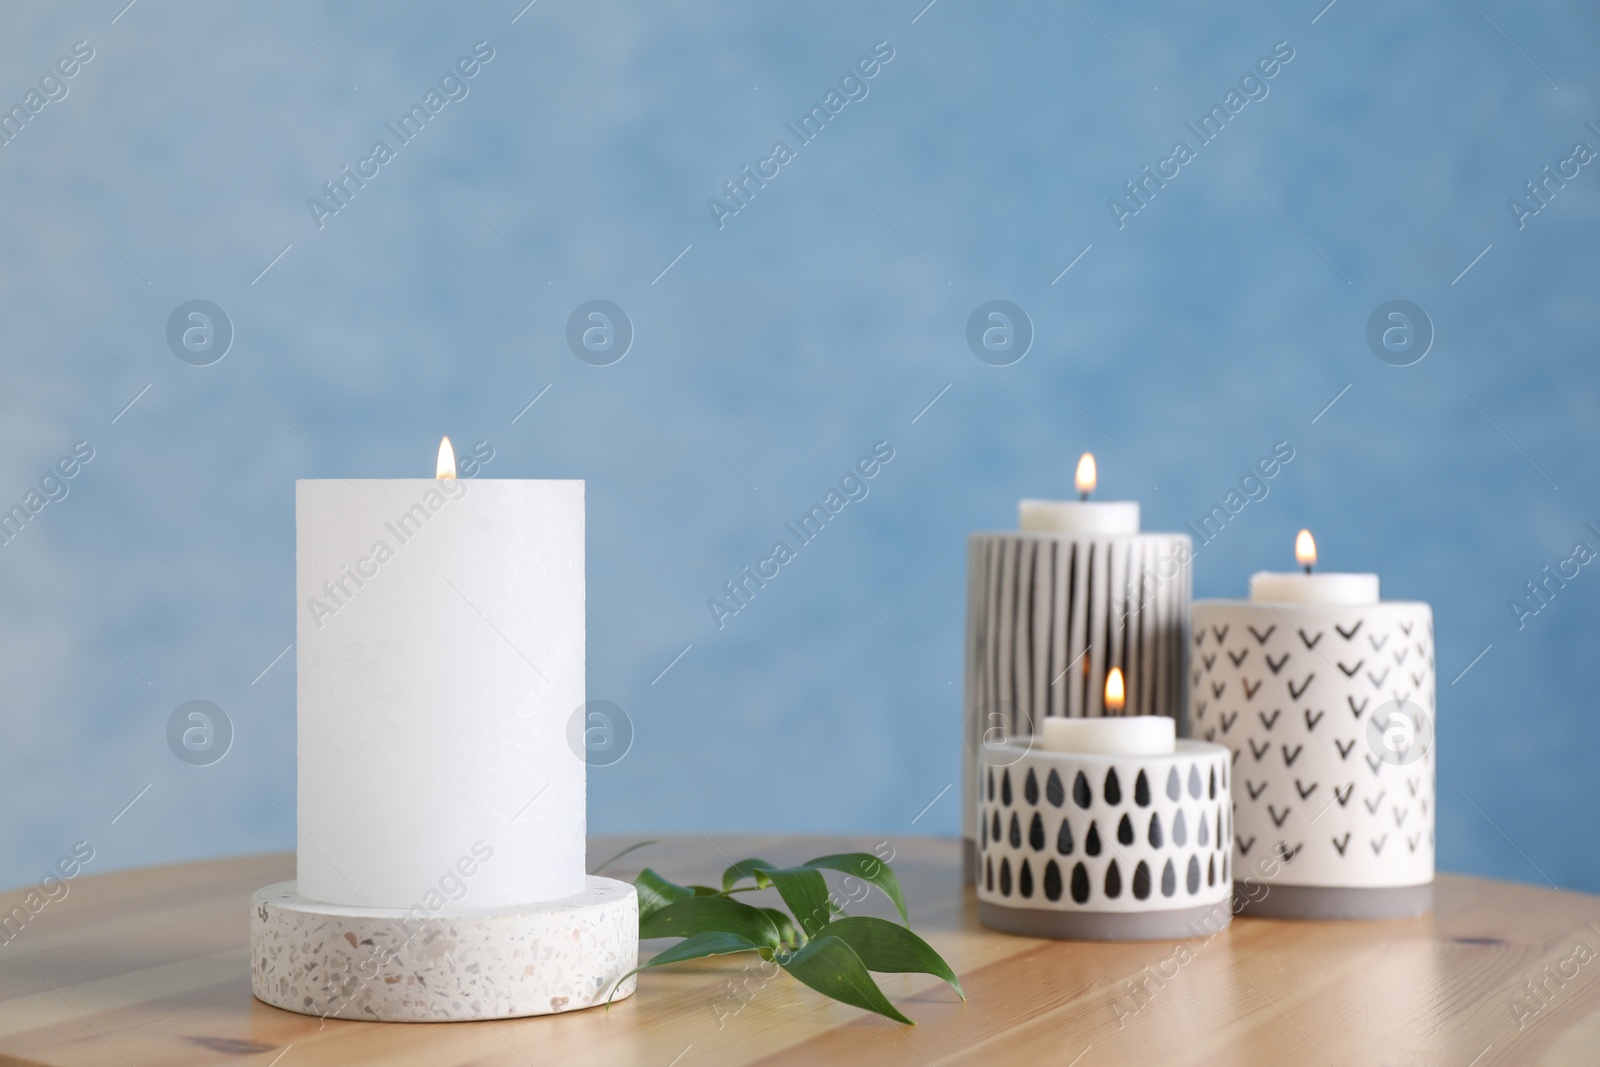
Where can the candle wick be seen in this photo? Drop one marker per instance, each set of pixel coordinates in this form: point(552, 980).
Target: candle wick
point(1308, 568)
point(1084, 495)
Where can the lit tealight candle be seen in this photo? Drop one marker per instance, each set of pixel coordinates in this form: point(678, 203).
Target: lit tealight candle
point(1311, 587)
point(1113, 735)
point(1084, 517)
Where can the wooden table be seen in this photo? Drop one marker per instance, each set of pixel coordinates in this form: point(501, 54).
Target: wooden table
point(150, 967)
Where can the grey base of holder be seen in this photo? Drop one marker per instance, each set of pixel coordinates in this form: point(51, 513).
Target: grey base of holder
point(1329, 902)
point(969, 861)
point(1176, 923)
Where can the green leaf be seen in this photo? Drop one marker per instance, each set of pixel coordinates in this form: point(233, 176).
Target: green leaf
point(869, 867)
point(655, 892)
point(624, 852)
point(786, 931)
point(698, 915)
point(698, 947)
point(832, 968)
point(889, 947)
point(805, 891)
point(746, 869)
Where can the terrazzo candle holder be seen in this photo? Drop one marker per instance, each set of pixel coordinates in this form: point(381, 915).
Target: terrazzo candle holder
point(1105, 848)
point(393, 965)
point(1328, 712)
point(1048, 615)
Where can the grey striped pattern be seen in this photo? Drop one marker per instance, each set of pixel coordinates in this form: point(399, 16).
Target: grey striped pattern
point(1048, 615)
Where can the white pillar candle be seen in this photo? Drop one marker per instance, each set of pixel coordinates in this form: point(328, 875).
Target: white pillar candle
point(1132, 735)
point(1310, 587)
point(1082, 517)
point(440, 654)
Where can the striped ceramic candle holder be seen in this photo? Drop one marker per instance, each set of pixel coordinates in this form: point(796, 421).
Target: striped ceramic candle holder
point(1105, 848)
point(1048, 616)
point(1328, 711)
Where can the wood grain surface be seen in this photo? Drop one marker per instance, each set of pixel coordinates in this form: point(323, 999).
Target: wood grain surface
point(151, 967)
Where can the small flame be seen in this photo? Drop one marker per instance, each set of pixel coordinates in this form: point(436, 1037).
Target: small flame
point(1305, 550)
point(1116, 695)
point(1087, 475)
point(447, 460)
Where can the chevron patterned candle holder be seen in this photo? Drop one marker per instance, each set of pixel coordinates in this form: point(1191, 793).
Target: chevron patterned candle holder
point(1048, 615)
point(1328, 712)
point(1105, 848)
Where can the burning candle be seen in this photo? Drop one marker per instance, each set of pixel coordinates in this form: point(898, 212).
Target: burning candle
point(1084, 517)
point(1112, 735)
point(440, 654)
point(1310, 587)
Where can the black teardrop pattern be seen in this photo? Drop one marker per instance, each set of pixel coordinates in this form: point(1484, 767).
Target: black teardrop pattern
point(1080, 883)
point(1018, 874)
point(1080, 791)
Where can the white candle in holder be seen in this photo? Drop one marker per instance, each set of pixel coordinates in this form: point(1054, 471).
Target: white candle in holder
point(1312, 588)
point(440, 654)
point(1112, 734)
point(1082, 517)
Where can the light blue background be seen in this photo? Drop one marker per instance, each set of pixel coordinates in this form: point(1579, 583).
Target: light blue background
point(824, 317)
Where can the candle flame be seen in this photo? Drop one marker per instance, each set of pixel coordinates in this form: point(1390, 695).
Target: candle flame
point(1305, 549)
point(1116, 696)
point(447, 460)
point(1087, 475)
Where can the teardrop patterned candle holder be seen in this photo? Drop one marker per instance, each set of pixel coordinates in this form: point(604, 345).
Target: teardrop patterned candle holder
point(1048, 616)
point(1105, 848)
point(1328, 712)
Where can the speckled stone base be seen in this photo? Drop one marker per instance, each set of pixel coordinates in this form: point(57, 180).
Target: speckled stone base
point(383, 965)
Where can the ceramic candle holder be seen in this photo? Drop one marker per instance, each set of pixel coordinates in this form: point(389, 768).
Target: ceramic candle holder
point(1105, 848)
point(1328, 712)
point(1048, 615)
